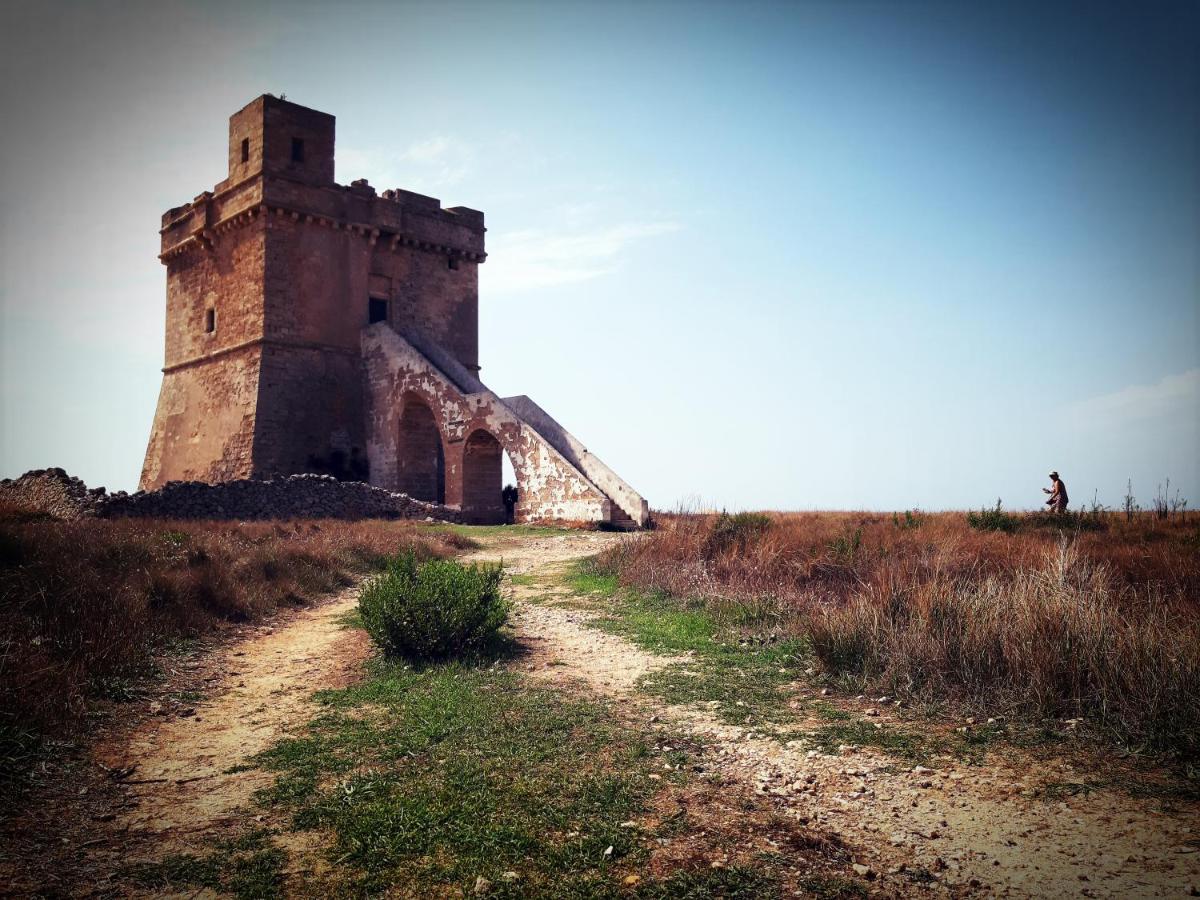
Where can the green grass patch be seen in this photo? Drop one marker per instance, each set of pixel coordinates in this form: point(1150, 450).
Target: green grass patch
point(895, 741)
point(832, 887)
point(969, 746)
point(742, 675)
point(734, 883)
point(585, 579)
point(1164, 791)
point(490, 532)
point(246, 867)
point(526, 580)
point(428, 779)
point(829, 712)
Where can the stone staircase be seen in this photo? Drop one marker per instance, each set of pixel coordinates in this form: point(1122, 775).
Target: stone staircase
point(629, 509)
point(558, 477)
point(621, 521)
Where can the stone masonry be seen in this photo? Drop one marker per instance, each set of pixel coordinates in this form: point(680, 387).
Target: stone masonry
point(321, 328)
point(55, 494)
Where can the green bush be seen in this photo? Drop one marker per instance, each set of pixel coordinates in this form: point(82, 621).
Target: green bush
point(433, 610)
point(994, 520)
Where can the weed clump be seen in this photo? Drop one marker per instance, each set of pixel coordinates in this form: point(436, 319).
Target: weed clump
point(736, 531)
point(995, 519)
point(433, 610)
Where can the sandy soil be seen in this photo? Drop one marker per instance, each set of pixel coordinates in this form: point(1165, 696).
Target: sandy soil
point(953, 830)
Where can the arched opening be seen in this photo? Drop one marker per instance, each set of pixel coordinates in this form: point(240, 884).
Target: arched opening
point(421, 467)
point(483, 503)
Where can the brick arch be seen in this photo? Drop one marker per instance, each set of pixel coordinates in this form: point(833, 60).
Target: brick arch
point(420, 451)
point(482, 463)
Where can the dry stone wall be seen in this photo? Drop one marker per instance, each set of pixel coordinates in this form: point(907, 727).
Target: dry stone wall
point(52, 492)
point(55, 493)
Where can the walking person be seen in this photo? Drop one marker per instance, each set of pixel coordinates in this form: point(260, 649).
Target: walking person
point(1058, 494)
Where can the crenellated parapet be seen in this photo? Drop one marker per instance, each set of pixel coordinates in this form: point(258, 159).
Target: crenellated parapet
point(397, 219)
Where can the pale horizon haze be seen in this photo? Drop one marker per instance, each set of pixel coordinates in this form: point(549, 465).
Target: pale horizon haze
point(813, 255)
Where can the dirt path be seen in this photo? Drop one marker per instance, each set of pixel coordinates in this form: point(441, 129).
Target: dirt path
point(180, 794)
point(956, 830)
point(561, 646)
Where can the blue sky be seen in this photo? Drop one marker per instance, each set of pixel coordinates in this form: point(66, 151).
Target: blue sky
point(793, 256)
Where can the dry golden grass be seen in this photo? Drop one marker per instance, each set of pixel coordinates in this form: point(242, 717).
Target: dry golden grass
point(85, 605)
point(1100, 619)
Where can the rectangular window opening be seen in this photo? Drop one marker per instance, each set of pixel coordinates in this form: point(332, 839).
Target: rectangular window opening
point(210, 320)
point(245, 149)
point(376, 311)
point(452, 262)
point(297, 150)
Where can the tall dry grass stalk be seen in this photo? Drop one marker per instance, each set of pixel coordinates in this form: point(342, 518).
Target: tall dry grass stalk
point(1103, 624)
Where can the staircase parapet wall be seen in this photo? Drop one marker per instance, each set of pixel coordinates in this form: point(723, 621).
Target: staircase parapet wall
point(634, 505)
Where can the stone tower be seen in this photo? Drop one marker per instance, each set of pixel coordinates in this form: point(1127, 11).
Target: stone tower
point(317, 327)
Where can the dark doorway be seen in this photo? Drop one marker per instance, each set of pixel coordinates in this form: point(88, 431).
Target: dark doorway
point(483, 503)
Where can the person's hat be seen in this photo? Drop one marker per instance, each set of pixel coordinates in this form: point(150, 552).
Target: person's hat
point(1053, 474)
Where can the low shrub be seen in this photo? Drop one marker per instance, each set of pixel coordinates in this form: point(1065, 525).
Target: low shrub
point(994, 520)
point(432, 610)
point(847, 546)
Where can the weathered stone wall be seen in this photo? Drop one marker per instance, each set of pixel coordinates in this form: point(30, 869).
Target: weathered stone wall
point(205, 420)
point(632, 503)
point(204, 423)
point(228, 280)
point(310, 415)
point(54, 492)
